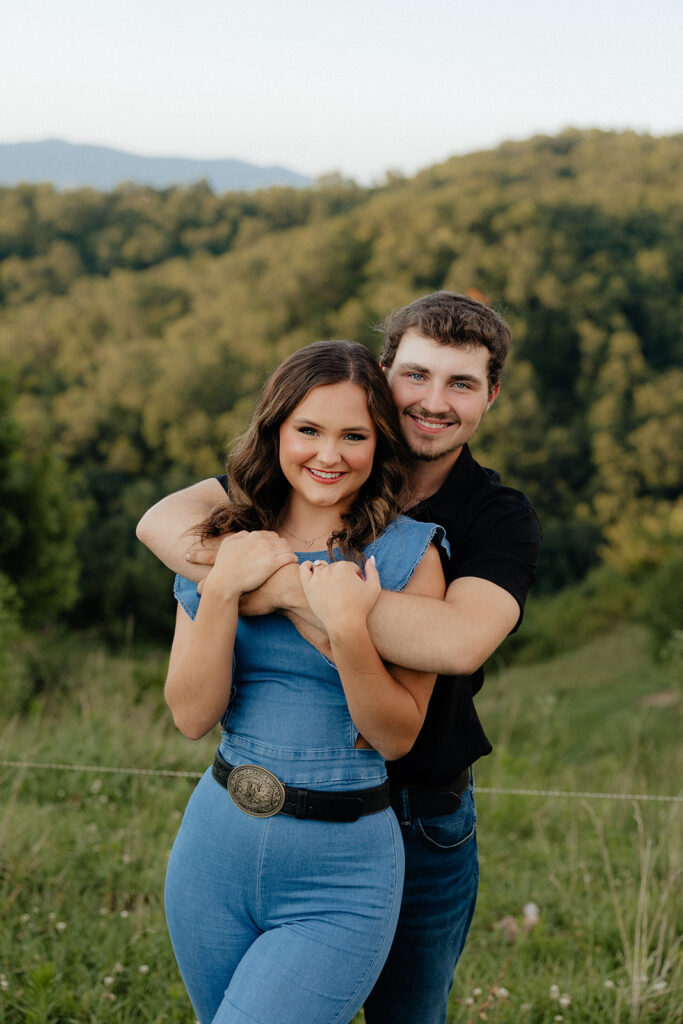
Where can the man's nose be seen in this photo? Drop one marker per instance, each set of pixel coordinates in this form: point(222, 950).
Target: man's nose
point(435, 400)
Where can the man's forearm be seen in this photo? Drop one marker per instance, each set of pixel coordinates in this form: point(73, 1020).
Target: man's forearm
point(166, 528)
point(453, 637)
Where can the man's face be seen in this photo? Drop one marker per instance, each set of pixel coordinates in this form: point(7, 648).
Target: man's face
point(441, 393)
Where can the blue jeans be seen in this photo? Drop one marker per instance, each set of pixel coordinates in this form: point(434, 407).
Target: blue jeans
point(280, 921)
point(440, 891)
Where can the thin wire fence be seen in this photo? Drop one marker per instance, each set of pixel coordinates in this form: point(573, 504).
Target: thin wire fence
point(172, 773)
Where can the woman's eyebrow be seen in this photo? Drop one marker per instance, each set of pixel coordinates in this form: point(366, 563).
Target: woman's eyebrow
point(344, 430)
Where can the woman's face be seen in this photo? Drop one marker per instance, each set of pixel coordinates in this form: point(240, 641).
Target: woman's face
point(327, 445)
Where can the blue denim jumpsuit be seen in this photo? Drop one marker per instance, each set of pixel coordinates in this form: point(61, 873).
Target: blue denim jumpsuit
point(278, 919)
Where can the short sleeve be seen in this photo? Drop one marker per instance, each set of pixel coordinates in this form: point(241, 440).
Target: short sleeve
point(401, 548)
point(187, 596)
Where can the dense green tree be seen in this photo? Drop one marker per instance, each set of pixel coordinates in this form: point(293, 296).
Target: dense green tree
point(139, 325)
point(40, 518)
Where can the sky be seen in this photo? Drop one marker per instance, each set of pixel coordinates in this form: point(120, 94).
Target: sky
point(359, 87)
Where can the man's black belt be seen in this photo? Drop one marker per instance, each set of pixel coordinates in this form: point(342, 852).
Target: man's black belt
point(258, 792)
point(429, 801)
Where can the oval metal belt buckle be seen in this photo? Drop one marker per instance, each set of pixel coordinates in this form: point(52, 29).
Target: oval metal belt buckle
point(256, 791)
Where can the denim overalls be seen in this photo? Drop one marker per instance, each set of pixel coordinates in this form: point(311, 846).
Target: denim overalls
point(278, 920)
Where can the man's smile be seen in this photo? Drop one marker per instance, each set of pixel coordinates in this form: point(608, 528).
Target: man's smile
point(430, 425)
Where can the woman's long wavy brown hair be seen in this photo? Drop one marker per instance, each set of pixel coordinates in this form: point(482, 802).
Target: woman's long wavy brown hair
point(258, 487)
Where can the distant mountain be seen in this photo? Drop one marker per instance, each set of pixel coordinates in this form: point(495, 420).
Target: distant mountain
point(67, 165)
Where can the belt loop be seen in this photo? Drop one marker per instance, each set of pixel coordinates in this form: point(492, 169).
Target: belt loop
point(300, 811)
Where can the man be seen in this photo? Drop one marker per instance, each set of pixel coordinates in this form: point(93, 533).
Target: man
point(443, 356)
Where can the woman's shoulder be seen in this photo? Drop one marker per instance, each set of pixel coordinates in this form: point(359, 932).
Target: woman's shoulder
point(400, 548)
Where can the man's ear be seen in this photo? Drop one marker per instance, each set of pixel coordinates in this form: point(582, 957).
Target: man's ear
point(492, 396)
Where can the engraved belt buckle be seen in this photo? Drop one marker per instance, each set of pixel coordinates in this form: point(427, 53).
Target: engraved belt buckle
point(256, 791)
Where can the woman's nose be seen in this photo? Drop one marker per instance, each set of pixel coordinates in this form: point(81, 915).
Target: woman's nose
point(328, 452)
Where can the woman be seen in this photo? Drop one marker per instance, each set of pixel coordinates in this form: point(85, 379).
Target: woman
point(282, 893)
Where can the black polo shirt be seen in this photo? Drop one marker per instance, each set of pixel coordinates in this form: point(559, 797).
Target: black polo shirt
point(494, 534)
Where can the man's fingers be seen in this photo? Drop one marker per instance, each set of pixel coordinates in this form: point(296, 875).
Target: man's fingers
point(203, 552)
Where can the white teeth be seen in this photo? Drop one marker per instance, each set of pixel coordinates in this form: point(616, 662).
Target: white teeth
point(431, 426)
point(321, 473)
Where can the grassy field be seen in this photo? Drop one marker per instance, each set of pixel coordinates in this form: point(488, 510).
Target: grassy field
point(82, 855)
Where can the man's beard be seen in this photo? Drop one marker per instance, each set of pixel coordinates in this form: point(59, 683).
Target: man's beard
point(432, 456)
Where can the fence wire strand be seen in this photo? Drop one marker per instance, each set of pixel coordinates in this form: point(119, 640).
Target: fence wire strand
point(169, 773)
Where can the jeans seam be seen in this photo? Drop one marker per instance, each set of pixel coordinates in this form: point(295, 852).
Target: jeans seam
point(341, 1016)
point(449, 846)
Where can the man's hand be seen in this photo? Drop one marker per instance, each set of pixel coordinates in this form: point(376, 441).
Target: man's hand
point(281, 592)
point(203, 552)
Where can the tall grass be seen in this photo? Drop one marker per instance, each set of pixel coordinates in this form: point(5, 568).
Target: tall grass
point(82, 856)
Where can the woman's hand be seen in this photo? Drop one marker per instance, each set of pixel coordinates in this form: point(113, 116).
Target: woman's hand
point(337, 593)
point(245, 560)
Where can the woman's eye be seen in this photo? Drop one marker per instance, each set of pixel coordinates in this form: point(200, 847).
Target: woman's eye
point(308, 431)
point(355, 437)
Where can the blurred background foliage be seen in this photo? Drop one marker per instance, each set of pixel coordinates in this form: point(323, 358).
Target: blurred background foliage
point(138, 325)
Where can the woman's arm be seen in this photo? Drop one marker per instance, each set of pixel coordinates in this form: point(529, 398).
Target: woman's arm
point(200, 668)
point(388, 704)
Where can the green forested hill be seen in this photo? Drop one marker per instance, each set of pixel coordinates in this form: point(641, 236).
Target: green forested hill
point(137, 326)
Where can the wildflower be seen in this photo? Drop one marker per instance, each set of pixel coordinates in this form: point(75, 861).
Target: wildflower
point(60, 926)
point(118, 967)
point(109, 995)
point(108, 980)
point(96, 786)
point(554, 991)
point(525, 1007)
point(144, 968)
point(659, 986)
point(502, 993)
point(124, 913)
point(103, 911)
point(531, 911)
point(24, 918)
point(530, 916)
point(565, 999)
point(469, 1001)
point(126, 858)
point(508, 926)
point(51, 916)
point(4, 984)
point(558, 1016)
point(476, 991)
point(609, 983)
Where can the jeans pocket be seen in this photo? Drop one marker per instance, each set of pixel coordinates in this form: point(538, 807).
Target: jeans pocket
point(449, 831)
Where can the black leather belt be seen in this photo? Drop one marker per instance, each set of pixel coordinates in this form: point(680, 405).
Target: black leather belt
point(258, 792)
point(429, 801)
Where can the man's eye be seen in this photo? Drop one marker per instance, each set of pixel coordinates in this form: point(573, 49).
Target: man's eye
point(416, 376)
point(460, 385)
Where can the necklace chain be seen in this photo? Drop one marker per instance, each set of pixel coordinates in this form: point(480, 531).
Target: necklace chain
point(308, 541)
